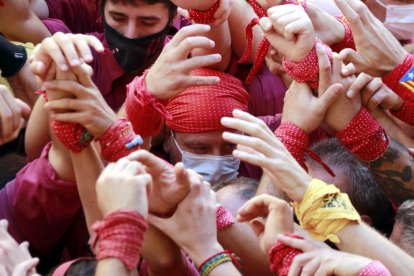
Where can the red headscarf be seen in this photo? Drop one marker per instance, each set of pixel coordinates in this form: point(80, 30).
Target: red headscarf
point(200, 108)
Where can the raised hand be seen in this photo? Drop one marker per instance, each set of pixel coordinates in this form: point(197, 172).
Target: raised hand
point(263, 149)
point(170, 186)
point(277, 214)
point(289, 31)
point(123, 185)
point(378, 52)
point(66, 50)
point(170, 73)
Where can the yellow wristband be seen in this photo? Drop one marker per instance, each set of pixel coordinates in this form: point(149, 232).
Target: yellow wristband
point(324, 211)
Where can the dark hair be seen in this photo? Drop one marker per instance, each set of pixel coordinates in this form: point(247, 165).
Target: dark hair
point(364, 192)
point(245, 187)
point(405, 220)
point(172, 8)
point(82, 267)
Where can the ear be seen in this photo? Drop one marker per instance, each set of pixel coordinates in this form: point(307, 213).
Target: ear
point(167, 145)
point(366, 219)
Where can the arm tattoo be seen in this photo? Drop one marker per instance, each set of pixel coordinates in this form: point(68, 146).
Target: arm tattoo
point(394, 173)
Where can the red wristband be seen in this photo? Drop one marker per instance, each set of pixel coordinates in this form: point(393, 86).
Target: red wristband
point(307, 70)
point(374, 268)
point(224, 218)
point(395, 80)
point(145, 112)
point(348, 40)
point(119, 140)
point(296, 141)
point(120, 235)
point(405, 114)
point(364, 137)
point(204, 17)
point(281, 256)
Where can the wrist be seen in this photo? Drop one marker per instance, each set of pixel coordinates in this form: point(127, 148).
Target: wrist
point(202, 253)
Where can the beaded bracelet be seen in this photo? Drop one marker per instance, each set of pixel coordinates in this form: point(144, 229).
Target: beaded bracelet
point(217, 259)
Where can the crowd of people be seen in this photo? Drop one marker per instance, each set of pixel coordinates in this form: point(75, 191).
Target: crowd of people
point(214, 137)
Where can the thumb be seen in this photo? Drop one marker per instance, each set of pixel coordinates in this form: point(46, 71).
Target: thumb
point(181, 174)
point(276, 40)
point(24, 108)
point(352, 56)
point(257, 226)
point(161, 223)
point(330, 96)
point(183, 12)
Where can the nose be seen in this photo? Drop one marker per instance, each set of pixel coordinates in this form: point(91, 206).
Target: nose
point(131, 30)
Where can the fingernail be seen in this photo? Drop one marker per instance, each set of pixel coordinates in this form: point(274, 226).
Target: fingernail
point(237, 112)
point(88, 57)
point(225, 120)
point(349, 93)
point(217, 57)
point(74, 62)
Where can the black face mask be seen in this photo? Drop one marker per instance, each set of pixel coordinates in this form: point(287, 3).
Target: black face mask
point(137, 54)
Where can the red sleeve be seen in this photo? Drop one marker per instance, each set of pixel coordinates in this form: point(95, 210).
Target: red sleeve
point(143, 110)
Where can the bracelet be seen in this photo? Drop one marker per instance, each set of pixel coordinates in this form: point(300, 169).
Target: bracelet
point(224, 218)
point(204, 17)
point(324, 211)
point(222, 257)
point(281, 256)
point(120, 235)
point(364, 137)
point(119, 140)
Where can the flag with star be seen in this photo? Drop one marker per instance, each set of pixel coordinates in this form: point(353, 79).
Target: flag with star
point(408, 79)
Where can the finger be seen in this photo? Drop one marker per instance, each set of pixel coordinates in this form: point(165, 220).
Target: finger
point(146, 158)
point(191, 43)
point(255, 143)
point(351, 56)
point(84, 75)
point(24, 267)
point(160, 223)
point(200, 81)
point(188, 31)
point(6, 115)
point(63, 104)
point(329, 97)
point(257, 226)
point(361, 81)
point(255, 207)
point(336, 66)
point(25, 109)
point(350, 13)
point(349, 70)
point(298, 262)
point(196, 62)
point(300, 244)
point(10, 101)
point(182, 176)
point(72, 117)
point(183, 12)
point(51, 48)
point(133, 167)
point(68, 48)
point(295, 28)
point(249, 128)
point(376, 100)
point(120, 165)
point(68, 86)
point(325, 71)
point(275, 39)
point(310, 268)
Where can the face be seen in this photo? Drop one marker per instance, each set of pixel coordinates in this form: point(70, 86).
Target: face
point(133, 21)
point(340, 180)
point(379, 10)
point(211, 143)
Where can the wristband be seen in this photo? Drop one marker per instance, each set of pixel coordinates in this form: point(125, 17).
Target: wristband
point(204, 17)
point(307, 70)
point(119, 140)
point(348, 40)
point(374, 268)
point(324, 211)
point(120, 235)
point(364, 137)
point(405, 114)
point(13, 58)
point(224, 218)
point(296, 141)
point(217, 259)
point(281, 256)
point(145, 112)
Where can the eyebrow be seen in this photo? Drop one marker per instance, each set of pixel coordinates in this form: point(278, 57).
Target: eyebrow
point(148, 18)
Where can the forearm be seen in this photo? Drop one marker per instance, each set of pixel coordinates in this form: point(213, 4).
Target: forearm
point(112, 266)
point(362, 240)
point(394, 173)
point(162, 255)
point(87, 166)
point(240, 239)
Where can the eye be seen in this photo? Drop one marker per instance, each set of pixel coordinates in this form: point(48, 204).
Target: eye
point(199, 149)
point(118, 18)
point(148, 23)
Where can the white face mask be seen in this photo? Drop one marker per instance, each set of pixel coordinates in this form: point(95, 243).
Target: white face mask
point(399, 20)
point(215, 169)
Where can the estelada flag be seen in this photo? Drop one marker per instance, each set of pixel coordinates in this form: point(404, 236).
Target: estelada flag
point(408, 79)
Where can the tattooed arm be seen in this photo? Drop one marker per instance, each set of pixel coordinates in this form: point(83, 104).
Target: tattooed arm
point(394, 173)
